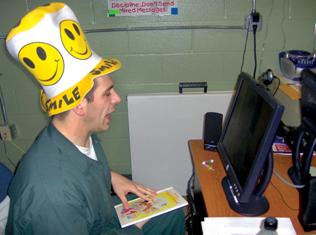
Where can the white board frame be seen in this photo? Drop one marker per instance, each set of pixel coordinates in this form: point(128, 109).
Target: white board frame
point(160, 126)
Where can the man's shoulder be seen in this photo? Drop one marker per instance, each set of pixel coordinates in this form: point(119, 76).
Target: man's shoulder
point(41, 173)
point(41, 151)
point(41, 163)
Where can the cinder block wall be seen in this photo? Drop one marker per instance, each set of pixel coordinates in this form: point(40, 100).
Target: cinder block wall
point(155, 61)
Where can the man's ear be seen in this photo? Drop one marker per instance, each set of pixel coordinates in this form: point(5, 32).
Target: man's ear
point(81, 108)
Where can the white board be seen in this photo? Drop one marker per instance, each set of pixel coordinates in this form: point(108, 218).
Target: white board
point(160, 126)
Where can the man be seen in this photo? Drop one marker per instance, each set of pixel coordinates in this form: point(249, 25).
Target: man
point(63, 183)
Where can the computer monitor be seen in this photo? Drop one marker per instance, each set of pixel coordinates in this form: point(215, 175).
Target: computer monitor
point(306, 132)
point(245, 144)
point(308, 99)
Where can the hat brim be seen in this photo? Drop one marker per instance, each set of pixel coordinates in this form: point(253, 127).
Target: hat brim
point(74, 95)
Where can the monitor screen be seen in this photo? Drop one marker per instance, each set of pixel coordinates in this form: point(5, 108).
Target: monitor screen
point(308, 91)
point(245, 144)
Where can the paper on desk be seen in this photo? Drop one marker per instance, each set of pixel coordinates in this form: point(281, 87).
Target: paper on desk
point(242, 226)
point(312, 171)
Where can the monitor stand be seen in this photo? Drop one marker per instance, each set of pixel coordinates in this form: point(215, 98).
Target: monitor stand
point(294, 171)
point(255, 207)
point(294, 175)
point(301, 164)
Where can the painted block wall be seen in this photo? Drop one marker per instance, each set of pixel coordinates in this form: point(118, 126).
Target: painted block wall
point(157, 60)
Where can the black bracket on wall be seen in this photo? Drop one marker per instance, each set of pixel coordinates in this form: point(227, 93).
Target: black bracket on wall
point(183, 85)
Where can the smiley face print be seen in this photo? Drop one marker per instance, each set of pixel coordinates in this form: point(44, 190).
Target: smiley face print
point(44, 61)
point(74, 40)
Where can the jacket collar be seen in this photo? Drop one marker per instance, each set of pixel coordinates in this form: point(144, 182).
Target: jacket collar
point(66, 146)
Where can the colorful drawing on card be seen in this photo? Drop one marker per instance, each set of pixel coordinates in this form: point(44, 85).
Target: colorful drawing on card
point(140, 209)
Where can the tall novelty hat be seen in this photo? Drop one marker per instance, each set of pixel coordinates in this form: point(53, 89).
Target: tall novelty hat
point(51, 45)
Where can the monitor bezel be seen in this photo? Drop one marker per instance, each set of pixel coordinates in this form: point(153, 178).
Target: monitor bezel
point(251, 190)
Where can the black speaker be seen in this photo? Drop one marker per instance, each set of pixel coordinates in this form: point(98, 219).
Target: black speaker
point(212, 130)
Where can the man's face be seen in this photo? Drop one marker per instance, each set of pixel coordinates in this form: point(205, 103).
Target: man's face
point(105, 99)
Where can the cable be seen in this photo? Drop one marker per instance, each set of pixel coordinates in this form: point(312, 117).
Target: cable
point(17, 147)
point(27, 4)
point(245, 48)
point(255, 19)
point(252, 20)
point(282, 26)
point(6, 152)
point(265, 36)
point(191, 208)
point(314, 49)
point(5, 122)
point(190, 189)
point(253, 5)
point(278, 85)
point(287, 183)
point(3, 109)
point(254, 50)
point(93, 12)
point(299, 186)
point(291, 208)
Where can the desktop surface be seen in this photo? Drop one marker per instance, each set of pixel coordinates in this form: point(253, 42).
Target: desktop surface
point(283, 199)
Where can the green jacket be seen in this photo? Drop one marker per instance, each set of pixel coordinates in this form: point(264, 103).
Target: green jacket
point(57, 190)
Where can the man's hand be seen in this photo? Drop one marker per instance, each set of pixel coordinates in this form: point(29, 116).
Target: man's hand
point(122, 186)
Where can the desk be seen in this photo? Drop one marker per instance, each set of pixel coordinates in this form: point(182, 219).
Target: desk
point(291, 91)
point(278, 194)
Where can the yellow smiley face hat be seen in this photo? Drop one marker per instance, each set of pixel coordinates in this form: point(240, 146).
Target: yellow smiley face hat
point(51, 45)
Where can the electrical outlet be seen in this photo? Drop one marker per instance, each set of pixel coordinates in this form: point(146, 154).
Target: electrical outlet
point(5, 133)
point(251, 20)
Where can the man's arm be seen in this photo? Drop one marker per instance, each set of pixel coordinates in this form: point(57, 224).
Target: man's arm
point(42, 215)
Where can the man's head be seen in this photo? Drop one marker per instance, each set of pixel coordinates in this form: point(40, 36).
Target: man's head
point(51, 45)
point(100, 105)
point(96, 108)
